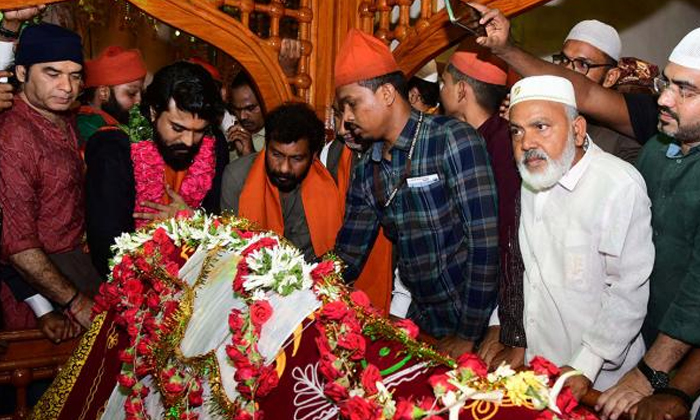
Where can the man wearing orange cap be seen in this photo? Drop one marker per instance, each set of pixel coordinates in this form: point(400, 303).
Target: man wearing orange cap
point(426, 180)
point(113, 84)
point(474, 85)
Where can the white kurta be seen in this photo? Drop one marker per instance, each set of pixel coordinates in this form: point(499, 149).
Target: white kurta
point(588, 252)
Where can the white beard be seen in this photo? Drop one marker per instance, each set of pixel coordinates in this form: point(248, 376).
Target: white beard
point(554, 170)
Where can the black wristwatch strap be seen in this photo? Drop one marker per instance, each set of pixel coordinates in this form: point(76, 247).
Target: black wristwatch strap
point(657, 379)
point(687, 399)
point(8, 33)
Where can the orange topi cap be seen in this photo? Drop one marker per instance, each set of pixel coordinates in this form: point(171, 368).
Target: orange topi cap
point(482, 66)
point(114, 66)
point(213, 71)
point(362, 57)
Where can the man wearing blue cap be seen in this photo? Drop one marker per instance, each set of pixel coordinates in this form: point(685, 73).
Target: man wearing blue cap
point(41, 173)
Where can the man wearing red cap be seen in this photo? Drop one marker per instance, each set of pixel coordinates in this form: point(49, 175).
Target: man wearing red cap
point(427, 181)
point(474, 85)
point(113, 84)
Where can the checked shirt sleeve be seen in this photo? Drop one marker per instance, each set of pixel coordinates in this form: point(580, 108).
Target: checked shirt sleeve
point(360, 227)
point(473, 191)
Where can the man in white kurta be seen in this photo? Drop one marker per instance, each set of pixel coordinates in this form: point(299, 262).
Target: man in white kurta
point(585, 237)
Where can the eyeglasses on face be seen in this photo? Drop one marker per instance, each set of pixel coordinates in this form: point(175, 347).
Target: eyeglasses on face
point(579, 64)
point(681, 90)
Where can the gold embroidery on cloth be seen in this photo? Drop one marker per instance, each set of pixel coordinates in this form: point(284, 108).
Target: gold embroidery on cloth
point(51, 403)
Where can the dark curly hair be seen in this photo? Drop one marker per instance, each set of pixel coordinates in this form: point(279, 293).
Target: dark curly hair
point(190, 86)
point(292, 122)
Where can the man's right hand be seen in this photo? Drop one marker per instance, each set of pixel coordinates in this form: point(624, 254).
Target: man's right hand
point(241, 139)
point(5, 92)
point(497, 29)
point(56, 327)
point(629, 390)
point(491, 345)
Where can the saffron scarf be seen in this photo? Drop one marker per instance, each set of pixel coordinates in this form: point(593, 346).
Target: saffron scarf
point(322, 202)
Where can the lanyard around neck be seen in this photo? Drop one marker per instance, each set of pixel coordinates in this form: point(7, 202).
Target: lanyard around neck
point(379, 183)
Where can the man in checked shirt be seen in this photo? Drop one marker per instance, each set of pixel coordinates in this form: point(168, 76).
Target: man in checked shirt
point(426, 180)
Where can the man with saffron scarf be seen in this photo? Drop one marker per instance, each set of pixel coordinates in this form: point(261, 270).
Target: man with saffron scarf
point(285, 188)
point(166, 164)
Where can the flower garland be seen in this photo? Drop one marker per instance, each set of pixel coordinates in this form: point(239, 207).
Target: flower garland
point(149, 173)
point(154, 307)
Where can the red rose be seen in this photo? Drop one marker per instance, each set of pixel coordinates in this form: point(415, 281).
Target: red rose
point(474, 363)
point(142, 368)
point(426, 403)
point(542, 366)
point(335, 391)
point(440, 384)
point(235, 321)
point(369, 378)
point(408, 326)
point(323, 269)
point(244, 374)
point(194, 394)
point(133, 286)
point(404, 410)
point(335, 311)
point(361, 299)
point(245, 234)
point(126, 380)
point(174, 386)
point(267, 381)
point(357, 408)
point(322, 343)
point(172, 268)
point(566, 401)
point(142, 264)
point(545, 415)
point(327, 367)
point(188, 415)
point(260, 312)
point(353, 341)
point(126, 355)
point(153, 301)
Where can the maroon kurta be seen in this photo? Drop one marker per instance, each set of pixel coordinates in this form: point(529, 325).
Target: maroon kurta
point(41, 183)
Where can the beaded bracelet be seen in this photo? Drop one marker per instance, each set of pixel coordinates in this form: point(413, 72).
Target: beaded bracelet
point(66, 305)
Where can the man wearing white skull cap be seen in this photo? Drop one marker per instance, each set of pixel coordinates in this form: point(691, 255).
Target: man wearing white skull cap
point(670, 164)
point(593, 48)
point(585, 238)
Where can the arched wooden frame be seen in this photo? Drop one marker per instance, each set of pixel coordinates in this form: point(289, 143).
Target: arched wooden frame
point(203, 20)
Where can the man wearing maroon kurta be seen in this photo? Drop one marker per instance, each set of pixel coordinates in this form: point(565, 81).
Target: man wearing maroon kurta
point(41, 173)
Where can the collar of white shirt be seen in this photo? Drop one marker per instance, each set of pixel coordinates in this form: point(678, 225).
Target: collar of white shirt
point(573, 176)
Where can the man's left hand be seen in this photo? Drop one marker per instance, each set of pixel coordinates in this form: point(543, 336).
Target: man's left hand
point(579, 384)
point(164, 211)
point(12, 19)
point(455, 346)
point(660, 407)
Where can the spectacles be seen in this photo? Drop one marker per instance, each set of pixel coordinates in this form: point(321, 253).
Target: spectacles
point(579, 64)
point(661, 84)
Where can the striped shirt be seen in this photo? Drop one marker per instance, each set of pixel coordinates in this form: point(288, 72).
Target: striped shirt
point(442, 221)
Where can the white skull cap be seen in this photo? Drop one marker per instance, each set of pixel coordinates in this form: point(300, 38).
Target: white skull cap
point(687, 52)
point(601, 35)
point(543, 88)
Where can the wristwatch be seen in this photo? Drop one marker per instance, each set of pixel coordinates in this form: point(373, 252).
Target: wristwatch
point(687, 399)
point(657, 379)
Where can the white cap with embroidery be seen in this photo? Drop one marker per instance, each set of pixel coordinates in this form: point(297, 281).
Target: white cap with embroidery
point(687, 52)
point(600, 35)
point(543, 88)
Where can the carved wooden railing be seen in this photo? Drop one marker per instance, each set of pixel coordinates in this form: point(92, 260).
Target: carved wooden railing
point(322, 27)
point(25, 357)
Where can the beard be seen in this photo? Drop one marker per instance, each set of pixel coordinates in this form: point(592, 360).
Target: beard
point(285, 182)
point(178, 156)
point(552, 172)
point(684, 134)
point(115, 109)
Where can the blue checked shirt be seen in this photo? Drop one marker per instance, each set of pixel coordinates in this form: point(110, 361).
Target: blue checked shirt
point(445, 232)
